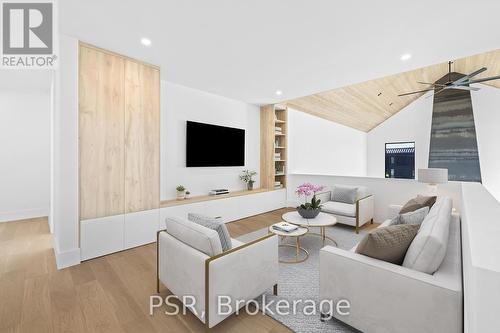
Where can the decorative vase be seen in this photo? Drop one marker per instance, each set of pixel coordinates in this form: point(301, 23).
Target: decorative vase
point(181, 195)
point(187, 195)
point(308, 213)
point(250, 186)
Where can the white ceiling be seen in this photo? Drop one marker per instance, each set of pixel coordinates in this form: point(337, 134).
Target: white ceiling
point(247, 50)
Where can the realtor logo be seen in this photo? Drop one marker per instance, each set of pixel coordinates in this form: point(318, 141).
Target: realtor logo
point(28, 34)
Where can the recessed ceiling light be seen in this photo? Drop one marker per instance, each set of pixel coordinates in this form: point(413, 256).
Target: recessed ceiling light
point(279, 92)
point(405, 56)
point(146, 41)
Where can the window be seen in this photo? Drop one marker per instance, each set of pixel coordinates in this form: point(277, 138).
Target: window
point(400, 160)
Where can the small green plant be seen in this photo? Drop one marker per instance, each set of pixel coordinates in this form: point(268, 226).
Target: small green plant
point(180, 188)
point(247, 176)
point(188, 193)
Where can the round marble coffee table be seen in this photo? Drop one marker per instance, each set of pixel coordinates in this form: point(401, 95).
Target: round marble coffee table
point(321, 221)
point(296, 234)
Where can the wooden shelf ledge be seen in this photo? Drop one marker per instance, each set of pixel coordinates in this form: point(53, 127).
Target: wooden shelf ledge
point(201, 198)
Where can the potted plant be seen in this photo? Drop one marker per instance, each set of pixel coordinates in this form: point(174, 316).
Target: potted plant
point(181, 192)
point(309, 210)
point(247, 177)
point(187, 195)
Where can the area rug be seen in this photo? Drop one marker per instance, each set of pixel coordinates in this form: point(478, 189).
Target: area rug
point(301, 281)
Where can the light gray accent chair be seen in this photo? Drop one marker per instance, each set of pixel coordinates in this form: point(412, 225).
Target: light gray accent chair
point(190, 262)
point(355, 214)
point(385, 297)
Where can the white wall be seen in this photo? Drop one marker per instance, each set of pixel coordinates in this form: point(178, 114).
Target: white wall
point(413, 123)
point(481, 267)
point(486, 106)
point(179, 104)
point(316, 145)
point(25, 153)
point(64, 184)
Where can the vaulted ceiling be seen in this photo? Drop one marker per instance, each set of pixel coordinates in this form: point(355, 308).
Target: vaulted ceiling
point(365, 105)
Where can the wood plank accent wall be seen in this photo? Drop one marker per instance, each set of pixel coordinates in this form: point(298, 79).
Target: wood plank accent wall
point(119, 134)
point(142, 137)
point(101, 129)
point(267, 147)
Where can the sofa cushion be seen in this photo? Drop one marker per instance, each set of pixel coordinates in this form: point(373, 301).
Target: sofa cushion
point(416, 203)
point(415, 217)
point(339, 208)
point(428, 249)
point(198, 237)
point(345, 194)
point(215, 224)
point(388, 243)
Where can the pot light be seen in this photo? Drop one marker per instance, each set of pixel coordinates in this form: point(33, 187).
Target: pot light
point(405, 56)
point(279, 92)
point(146, 41)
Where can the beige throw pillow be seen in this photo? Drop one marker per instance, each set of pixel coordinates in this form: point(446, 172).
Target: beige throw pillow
point(388, 243)
point(417, 203)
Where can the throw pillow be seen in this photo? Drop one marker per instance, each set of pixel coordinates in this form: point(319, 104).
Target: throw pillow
point(415, 217)
point(215, 224)
point(345, 194)
point(417, 203)
point(388, 243)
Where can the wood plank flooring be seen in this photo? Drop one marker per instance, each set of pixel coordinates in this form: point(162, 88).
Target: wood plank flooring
point(107, 294)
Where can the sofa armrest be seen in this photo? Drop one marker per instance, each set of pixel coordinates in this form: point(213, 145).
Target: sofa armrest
point(365, 209)
point(385, 297)
point(242, 273)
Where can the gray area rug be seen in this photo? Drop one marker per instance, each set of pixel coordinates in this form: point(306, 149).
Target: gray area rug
point(301, 281)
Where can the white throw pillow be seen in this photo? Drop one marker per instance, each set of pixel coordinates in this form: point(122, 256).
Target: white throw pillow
point(415, 217)
point(427, 251)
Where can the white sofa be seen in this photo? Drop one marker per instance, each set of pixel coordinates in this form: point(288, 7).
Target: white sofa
point(356, 215)
point(190, 262)
point(385, 297)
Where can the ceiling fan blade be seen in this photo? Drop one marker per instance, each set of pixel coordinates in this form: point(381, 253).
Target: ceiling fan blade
point(415, 92)
point(468, 77)
point(485, 79)
point(465, 88)
point(432, 84)
point(438, 92)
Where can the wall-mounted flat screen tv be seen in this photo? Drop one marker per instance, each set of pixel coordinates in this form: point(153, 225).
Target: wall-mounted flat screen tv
point(214, 146)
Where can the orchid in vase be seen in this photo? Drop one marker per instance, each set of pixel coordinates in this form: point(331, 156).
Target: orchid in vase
point(308, 209)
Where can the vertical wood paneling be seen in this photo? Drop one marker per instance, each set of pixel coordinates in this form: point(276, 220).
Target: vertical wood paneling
point(142, 137)
point(101, 133)
point(267, 146)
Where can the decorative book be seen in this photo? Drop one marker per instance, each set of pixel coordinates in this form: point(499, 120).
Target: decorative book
point(286, 227)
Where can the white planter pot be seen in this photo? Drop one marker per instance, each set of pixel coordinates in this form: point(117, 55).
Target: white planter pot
point(181, 195)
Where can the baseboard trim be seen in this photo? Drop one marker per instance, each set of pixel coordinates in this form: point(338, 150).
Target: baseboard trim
point(67, 258)
point(23, 214)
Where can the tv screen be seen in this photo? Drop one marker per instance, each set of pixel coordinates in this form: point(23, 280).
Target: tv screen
point(213, 146)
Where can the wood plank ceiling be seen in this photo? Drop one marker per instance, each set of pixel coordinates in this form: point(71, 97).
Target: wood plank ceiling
point(365, 105)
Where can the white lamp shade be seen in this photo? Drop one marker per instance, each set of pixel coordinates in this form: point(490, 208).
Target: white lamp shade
point(433, 176)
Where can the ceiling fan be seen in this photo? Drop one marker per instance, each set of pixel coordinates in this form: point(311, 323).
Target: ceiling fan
point(461, 84)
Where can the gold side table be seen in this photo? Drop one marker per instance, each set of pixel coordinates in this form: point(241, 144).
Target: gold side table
point(298, 249)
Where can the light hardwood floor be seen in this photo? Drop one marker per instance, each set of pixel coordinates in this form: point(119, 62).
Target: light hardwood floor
point(107, 294)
